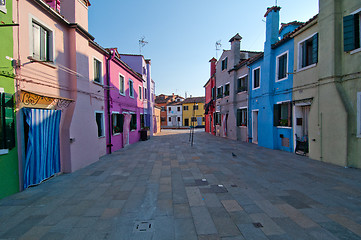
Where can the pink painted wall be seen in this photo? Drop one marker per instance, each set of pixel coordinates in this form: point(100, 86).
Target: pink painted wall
point(124, 103)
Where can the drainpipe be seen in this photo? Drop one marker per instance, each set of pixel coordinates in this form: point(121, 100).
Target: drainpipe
point(109, 58)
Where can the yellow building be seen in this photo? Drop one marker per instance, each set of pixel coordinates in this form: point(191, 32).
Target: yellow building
point(193, 109)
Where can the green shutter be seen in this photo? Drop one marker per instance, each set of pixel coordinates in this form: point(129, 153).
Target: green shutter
point(304, 54)
point(351, 35)
point(315, 48)
point(239, 117)
point(276, 114)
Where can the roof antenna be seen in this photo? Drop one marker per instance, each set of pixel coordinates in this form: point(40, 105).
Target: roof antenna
point(218, 47)
point(142, 43)
point(276, 3)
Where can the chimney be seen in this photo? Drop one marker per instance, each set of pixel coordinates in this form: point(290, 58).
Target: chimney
point(54, 4)
point(272, 25)
point(213, 62)
point(235, 49)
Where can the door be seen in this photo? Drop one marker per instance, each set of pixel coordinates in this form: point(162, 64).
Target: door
point(42, 153)
point(126, 128)
point(199, 121)
point(210, 123)
point(255, 126)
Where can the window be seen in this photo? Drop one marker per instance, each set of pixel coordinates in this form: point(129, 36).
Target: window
point(178, 109)
point(224, 63)
point(308, 52)
point(242, 83)
point(186, 122)
point(3, 6)
point(97, 71)
point(220, 92)
point(256, 77)
point(169, 109)
point(226, 89)
point(185, 108)
point(282, 114)
point(217, 118)
point(142, 122)
point(352, 31)
point(7, 122)
point(117, 123)
point(214, 93)
point(281, 66)
point(131, 89)
point(41, 42)
point(358, 115)
point(162, 109)
point(121, 84)
point(242, 117)
point(99, 117)
point(162, 119)
point(140, 92)
point(145, 94)
point(169, 119)
point(178, 119)
point(195, 107)
point(133, 122)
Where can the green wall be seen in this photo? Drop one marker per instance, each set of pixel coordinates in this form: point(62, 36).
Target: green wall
point(9, 174)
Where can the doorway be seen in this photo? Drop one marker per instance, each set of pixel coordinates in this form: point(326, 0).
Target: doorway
point(255, 126)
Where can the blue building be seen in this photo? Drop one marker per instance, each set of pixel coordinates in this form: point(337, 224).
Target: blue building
point(271, 86)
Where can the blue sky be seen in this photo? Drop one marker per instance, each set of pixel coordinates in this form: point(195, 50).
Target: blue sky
point(182, 34)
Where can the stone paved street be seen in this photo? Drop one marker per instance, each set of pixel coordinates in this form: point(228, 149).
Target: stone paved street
point(165, 189)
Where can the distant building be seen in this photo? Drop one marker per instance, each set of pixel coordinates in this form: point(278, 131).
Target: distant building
point(193, 111)
point(162, 101)
point(174, 114)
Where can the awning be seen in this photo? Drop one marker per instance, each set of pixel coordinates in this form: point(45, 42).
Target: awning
point(31, 98)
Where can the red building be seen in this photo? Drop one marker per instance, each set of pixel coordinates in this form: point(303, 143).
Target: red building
point(210, 104)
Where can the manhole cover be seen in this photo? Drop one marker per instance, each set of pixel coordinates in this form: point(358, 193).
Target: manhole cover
point(144, 226)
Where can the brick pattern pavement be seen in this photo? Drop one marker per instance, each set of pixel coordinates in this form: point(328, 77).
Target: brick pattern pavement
point(165, 189)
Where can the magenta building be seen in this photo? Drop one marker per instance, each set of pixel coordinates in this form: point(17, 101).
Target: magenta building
point(124, 103)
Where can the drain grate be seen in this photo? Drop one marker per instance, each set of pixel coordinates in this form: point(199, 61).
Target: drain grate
point(257, 225)
point(144, 226)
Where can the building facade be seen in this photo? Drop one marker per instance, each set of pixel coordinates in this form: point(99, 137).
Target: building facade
point(174, 114)
point(210, 97)
point(193, 112)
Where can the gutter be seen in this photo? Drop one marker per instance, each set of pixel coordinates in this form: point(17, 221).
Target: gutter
point(109, 144)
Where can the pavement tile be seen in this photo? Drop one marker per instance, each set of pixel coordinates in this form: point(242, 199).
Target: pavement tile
point(181, 211)
point(203, 221)
point(297, 216)
point(194, 197)
point(269, 226)
point(231, 205)
point(347, 223)
point(269, 208)
point(251, 233)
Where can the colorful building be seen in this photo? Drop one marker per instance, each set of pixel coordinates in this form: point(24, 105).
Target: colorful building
point(270, 95)
point(210, 97)
point(193, 111)
point(162, 101)
point(174, 114)
point(9, 172)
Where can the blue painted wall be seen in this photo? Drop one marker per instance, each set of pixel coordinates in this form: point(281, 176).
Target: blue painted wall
point(271, 91)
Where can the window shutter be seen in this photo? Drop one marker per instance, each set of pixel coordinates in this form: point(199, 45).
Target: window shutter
point(351, 35)
point(36, 41)
point(9, 120)
point(276, 114)
point(304, 54)
point(239, 117)
point(315, 48)
point(222, 90)
point(120, 121)
point(289, 114)
point(42, 44)
point(280, 68)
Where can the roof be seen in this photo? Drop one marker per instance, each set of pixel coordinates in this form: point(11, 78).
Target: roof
point(290, 35)
point(174, 103)
point(236, 37)
point(255, 58)
point(162, 98)
point(194, 100)
point(283, 25)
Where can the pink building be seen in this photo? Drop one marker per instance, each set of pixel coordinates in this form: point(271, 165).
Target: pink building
point(125, 114)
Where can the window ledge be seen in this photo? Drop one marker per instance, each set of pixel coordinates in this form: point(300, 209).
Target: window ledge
point(308, 67)
point(256, 88)
point(242, 92)
point(122, 94)
point(355, 51)
point(46, 63)
point(97, 83)
point(4, 151)
point(116, 134)
point(284, 127)
point(3, 9)
point(282, 79)
point(242, 126)
point(101, 137)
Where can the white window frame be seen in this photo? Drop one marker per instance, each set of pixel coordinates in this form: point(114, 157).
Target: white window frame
point(51, 32)
point(229, 91)
point(241, 108)
point(131, 93)
point(101, 71)
point(3, 8)
point(253, 70)
point(299, 58)
point(103, 122)
point(140, 92)
point(277, 65)
point(114, 134)
point(358, 11)
point(122, 93)
point(358, 115)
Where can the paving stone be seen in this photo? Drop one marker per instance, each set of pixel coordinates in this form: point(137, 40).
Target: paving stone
point(231, 205)
point(297, 216)
point(339, 231)
point(182, 211)
point(269, 208)
point(164, 228)
point(194, 197)
point(347, 223)
point(23, 227)
point(203, 221)
point(211, 200)
point(269, 226)
point(226, 227)
point(209, 237)
point(251, 233)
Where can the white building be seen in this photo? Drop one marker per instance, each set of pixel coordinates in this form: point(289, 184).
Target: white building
point(174, 114)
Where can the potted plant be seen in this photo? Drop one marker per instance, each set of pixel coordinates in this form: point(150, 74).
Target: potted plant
point(284, 122)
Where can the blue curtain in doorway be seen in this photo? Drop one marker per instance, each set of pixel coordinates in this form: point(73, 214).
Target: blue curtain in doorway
point(42, 158)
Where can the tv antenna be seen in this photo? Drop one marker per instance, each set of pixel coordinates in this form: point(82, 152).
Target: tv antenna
point(142, 43)
point(218, 47)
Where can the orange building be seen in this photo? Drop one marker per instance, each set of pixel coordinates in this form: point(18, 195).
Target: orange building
point(162, 101)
